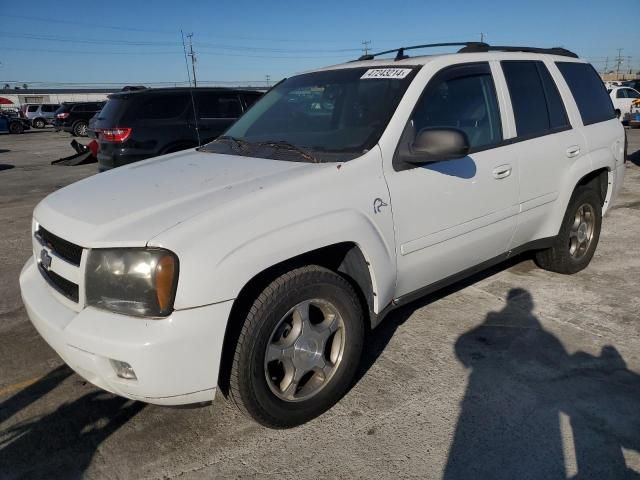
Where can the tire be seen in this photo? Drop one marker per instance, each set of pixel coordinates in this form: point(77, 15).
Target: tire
point(569, 253)
point(16, 127)
point(256, 383)
point(80, 129)
point(39, 123)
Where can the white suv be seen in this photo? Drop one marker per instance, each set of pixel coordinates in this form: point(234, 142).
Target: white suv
point(257, 263)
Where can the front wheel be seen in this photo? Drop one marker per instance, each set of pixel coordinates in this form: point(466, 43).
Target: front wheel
point(80, 129)
point(39, 123)
point(299, 348)
point(578, 238)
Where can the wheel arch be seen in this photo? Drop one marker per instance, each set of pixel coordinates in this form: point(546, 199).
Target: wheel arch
point(345, 258)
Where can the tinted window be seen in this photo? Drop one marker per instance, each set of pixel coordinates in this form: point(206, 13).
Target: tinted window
point(215, 105)
point(555, 106)
point(250, 99)
point(463, 98)
point(47, 108)
point(537, 106)
point(588, 91)
point(632, 94)
point(621, 93)
point(162, 106)
point(32, 108)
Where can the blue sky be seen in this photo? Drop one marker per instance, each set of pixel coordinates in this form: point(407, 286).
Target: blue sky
point(133, 42)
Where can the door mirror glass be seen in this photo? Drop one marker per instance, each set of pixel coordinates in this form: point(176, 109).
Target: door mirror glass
point(437, 144)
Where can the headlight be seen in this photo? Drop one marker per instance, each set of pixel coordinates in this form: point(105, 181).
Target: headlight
point(140, 281)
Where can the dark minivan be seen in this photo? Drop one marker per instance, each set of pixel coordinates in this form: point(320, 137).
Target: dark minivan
point(144, 123)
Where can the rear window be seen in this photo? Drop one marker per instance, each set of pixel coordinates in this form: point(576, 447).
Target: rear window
point(537, 106)
point(158, 107)
point(112, 109)
point(588, 91)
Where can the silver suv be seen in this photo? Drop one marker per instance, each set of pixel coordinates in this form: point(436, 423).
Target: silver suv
point(40, 115)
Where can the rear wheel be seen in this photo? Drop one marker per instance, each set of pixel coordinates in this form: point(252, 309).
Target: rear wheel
point(80, 129)
point(16, 127)
point(39, 123)
point(299, 348)
point(578, 238)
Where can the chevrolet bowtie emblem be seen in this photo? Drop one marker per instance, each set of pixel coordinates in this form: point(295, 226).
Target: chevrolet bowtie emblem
point(45, 259)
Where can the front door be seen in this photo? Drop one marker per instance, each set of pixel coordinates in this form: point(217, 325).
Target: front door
point(455, 214)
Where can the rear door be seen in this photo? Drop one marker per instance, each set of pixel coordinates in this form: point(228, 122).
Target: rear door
point(547, 144)
point(216, 112)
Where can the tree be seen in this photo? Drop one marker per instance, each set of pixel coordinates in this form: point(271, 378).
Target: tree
point(25, 86)
point(6, 86)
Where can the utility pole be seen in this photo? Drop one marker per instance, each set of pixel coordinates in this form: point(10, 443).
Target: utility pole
point(606, 65)
point(481, 37)
point(366, 46)
point(193, 58)
point(268, 79)
point(619, 61)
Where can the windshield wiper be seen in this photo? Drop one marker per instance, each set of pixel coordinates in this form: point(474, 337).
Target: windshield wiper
point(238, 142)
point(288, 146)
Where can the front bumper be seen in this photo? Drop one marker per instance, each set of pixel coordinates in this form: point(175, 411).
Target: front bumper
point(176, 359)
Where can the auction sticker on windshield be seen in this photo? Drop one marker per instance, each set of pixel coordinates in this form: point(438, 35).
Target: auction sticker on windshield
point(398, 73)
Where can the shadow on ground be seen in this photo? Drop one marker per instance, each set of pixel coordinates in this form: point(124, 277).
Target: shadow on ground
point(62, 443)
point(5, 166)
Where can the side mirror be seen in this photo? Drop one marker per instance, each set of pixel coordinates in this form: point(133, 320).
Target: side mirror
point(437, 144)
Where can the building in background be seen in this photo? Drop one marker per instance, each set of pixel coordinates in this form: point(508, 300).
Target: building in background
point(14, 98)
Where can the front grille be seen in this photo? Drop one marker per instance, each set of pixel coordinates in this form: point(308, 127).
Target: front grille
point(62, 285)
point(64, 249)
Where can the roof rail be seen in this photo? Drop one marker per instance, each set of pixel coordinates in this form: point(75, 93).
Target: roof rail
point(483, 47)
point(470, 47)
point(400, 51)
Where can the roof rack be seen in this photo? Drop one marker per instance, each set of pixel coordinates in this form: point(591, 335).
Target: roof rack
point(484, 47)
point(400, 55)
point(470, 47)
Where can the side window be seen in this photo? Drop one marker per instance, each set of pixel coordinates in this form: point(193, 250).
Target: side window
point(250, 99)
point(216, 105)
point(462, 97)
point(588, 91)
point(32, 108)
point(537, 106)
point(47, 108)
point(621, 93)
point(632, 93)
point(158, 107)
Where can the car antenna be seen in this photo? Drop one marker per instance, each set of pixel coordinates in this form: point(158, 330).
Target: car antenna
point(193, 103)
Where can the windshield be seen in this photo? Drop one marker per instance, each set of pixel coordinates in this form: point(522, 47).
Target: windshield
point(333, 115)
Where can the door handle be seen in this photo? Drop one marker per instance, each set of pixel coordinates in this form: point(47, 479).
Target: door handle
point(573, 151)
point(503, 171)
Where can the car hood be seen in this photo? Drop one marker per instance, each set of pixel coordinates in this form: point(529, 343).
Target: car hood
point(130, 205)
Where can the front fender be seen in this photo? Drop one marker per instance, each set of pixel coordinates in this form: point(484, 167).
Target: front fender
point(224, 249)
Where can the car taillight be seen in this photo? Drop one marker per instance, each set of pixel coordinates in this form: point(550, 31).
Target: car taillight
point(62, 115)
point(119, 134)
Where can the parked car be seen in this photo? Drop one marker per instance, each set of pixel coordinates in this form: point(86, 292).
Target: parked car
point(40, 115)
point(255, 264)
point(635, 84)
point(622, 98)
point(11, 122)
point(74, 117)
point(142, 123)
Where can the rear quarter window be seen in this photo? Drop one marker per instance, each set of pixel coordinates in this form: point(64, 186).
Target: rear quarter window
point(588, 91)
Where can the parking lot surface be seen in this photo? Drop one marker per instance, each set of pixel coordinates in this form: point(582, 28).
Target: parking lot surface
point(515, 373)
